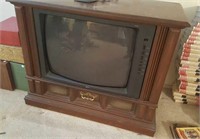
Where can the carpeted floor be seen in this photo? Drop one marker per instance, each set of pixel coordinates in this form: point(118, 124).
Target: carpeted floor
point(21, 121)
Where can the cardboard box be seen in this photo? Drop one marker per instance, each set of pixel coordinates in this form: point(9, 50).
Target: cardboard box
point(19, 76)
point(9, 32)
point(6, 79)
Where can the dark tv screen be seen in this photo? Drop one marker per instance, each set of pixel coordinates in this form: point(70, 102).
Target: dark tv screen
point(89, 52)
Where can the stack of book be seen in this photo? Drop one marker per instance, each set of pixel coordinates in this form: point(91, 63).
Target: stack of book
point(180, 131)
point(12, 70)
point(10, 47)
point(189, 71)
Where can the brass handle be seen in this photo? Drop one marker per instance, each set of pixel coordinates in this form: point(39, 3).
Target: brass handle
point(87, 96)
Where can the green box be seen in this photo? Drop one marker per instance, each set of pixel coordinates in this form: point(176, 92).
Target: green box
point(19, 76)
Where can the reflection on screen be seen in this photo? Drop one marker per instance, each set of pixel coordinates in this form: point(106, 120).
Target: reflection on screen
point(89, 52)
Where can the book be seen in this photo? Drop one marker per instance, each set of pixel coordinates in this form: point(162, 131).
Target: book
point(177, 94)
point(189, 92)
point(189, 84)
point(178, 125)
point(187, 68)
point(191, 79)
point(196, 29)
point(188, 132)
point(184, 54)
point(190, 50)
point(185, 85)
point(187, 102)
point(173, 130)
point(186, 99)
point(194, 33)
point(189, 88)
point(191, 37)
point(191, 46)
point(194, 59)
point(193, 42)
point(189, 73)
point(190, 63)
point(194, 36)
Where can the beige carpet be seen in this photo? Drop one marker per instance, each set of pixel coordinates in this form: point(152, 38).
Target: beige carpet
point(21, 121)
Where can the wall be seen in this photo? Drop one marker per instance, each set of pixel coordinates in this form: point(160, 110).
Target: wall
point(188, 5)
point(7, 10)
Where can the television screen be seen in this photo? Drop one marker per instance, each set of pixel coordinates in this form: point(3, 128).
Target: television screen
point(89, 52)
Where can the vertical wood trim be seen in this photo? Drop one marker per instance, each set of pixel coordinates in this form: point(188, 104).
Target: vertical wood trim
point(150, 114)
point(21, 20)
point(171, 42)
point(141, 111)
point(73, 94)
point(32, 39)
point(31, 85)
point(103, 102)
point(156, 52)
point(40, 87)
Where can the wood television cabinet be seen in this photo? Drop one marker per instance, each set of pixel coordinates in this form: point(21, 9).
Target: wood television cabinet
point(137, 115)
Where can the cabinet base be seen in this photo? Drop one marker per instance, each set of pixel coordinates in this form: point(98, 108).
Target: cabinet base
point(103, 116)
